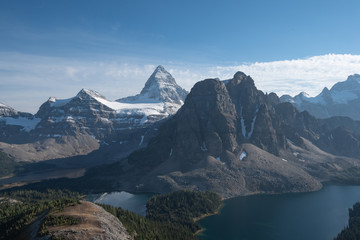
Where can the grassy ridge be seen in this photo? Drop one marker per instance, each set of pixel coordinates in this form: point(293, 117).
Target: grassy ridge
point(53, 221)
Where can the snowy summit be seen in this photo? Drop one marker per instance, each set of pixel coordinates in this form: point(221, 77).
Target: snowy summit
point(160, 87)
point(342, 99)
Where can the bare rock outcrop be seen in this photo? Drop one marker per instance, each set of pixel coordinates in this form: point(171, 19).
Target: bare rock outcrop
point(95, 223)
point(231, 138)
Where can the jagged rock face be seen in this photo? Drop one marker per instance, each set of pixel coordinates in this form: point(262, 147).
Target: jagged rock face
point(342, 141)
point(256, 113)
point(233, 139)
point(206, 122)
point(91, 113)
point(217, 118)
point(15, 125)
point(342, 99)
point(337, 135)
point(204, 145)
point(161, 86)
point(6, 111)
point(81, 114)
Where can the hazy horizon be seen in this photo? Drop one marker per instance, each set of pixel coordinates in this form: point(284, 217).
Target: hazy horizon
point(57, 48)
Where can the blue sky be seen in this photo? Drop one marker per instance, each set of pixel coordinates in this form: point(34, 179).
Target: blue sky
point(82, 43)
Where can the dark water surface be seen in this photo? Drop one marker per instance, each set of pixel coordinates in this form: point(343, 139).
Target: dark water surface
point(132, 202)
point(303, 216)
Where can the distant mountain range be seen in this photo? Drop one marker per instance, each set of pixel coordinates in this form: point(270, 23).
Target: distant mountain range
point(233, 139)
point(343, 99)
point(78, 125)
point(224, 136)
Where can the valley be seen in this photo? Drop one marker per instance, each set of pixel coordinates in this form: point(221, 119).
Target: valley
point(226, 137)
point(179, 120)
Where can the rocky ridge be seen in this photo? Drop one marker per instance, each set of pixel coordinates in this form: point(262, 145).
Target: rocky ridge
point(235, 140)
point(81, 124)
point(95, 223)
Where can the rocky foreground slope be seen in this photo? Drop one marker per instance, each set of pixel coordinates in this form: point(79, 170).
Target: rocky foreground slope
point(235, 140)
point(95, 223)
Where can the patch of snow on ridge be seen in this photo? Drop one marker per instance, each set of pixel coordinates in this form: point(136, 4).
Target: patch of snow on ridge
point(252, 124)
point(296, 154)
point(243, 155)
point(219, 159)
point(26, 123)
point(171, 152)
point(145, 108)
point(243, 129)
point(141, 141)
point(3, 105)
point(55, 102)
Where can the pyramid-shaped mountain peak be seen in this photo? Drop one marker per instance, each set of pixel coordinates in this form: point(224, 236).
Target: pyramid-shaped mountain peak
point(161, 87)
point(88, 92)
point(160, 77)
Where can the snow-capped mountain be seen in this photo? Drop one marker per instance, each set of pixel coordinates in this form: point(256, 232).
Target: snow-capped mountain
point(6, 111)
point(160, 87)
point(343, 99)
point(92, 113)
point(233, 139)
point(90, 116)
point(13, 123)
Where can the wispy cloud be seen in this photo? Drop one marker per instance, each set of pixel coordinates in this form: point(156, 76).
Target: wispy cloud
point(26, 81)
point(292, 76)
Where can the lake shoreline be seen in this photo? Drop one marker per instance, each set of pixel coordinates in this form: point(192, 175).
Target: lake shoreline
point(207, 215)
point(268, 216)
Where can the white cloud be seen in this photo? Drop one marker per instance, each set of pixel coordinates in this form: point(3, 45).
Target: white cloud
point(286, 77)
point(26, 81)
point(292, 76)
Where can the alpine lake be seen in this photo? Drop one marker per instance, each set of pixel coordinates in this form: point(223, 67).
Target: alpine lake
point(317, 215)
